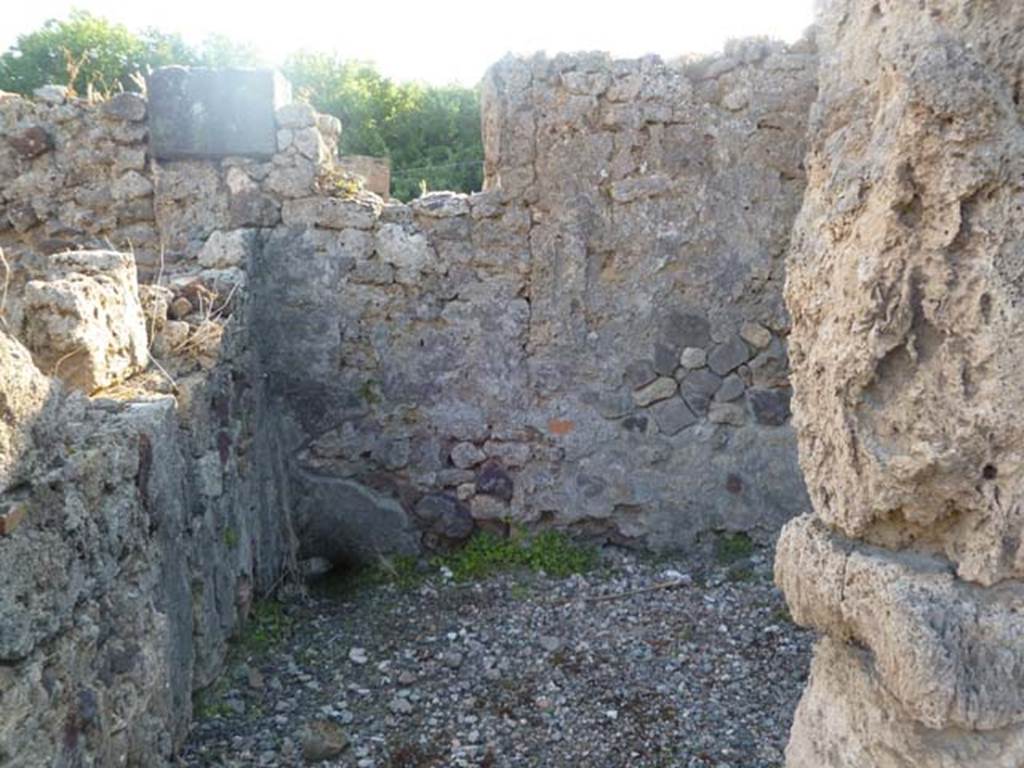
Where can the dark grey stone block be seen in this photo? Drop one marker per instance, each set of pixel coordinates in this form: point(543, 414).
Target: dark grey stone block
point(672, 416)
point(681, 330)
point(197, 113)
point(770, 406)
point(728, 356)
point(698, 388)
point(732, 388)
point(444, 517)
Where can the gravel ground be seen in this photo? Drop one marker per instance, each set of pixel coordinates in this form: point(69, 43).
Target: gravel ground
point(613, 668)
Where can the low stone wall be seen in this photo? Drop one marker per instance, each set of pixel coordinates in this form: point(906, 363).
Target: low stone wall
point(141, 526)
point(143, 502)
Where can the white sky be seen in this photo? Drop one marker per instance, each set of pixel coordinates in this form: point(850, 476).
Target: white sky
point(446, 41)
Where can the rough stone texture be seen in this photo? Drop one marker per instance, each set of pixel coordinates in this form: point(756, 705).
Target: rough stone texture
point(354, 378)
point(904, 289)
point(214, 112)
point(904, 282)
point(84, 322)
point(119, 587)
point(847, 718)
point(25, 408)
point(521, 316)
point(550, 312)
point(148, 523)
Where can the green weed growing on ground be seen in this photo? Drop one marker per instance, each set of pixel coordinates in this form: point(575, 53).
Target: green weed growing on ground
point(268, 625)
point(732, 546)
point(550, 551)
point(400, 570)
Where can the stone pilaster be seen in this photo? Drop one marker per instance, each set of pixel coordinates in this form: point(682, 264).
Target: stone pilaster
point(905, 289)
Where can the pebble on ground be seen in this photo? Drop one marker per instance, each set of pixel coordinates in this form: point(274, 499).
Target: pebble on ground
point(604, 670)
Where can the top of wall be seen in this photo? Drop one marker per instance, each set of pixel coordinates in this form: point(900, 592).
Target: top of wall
point(531, 103)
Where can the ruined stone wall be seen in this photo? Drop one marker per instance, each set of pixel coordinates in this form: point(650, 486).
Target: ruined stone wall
point(598, 339)
point(141, 527)
point(142, 507)
point(596, 342)
point(904, 286)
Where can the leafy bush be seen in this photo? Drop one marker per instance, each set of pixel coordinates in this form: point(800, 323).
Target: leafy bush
point(87, 52)
point(430, 133)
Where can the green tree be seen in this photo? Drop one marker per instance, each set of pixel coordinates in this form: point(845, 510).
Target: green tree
point(430, 133)
point(80, 51)
point(86, 51)
point(437, 141)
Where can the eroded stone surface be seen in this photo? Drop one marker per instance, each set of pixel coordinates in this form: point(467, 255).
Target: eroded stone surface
point(961, 672)
point(904, 293)
point(26, 400)
point(902, 284)
point(84, 323)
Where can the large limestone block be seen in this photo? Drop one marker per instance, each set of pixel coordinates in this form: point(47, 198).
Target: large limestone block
point(197, 113)
point(947, 651)
point(26, 396)
point(84, 324)
point(904, 282)
point(848, 719)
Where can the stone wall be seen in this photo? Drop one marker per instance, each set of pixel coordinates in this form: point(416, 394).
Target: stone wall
point(596, 342)
point(598, 338)
point(145, 526)
point(143, 500)
point(904, 286)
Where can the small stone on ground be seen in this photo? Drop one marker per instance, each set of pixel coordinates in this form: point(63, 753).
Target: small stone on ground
point(638, 663)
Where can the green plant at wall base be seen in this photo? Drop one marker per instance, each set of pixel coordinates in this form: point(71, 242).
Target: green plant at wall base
point(209, 702)
point(400, 570)
point(267, 626)
point(209, 705)
point(230, 537)
point(732, 546)
point(550, 551)
point(368, 394)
